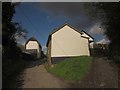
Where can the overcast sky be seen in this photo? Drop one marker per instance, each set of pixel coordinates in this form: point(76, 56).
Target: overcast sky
point(39, 19)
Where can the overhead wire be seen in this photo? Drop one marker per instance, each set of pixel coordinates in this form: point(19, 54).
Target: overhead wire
point(37, 31)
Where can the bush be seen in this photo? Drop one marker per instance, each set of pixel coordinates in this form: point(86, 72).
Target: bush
point(98, 52)
point(27, 57)
point(10, 69)
point(116, 59)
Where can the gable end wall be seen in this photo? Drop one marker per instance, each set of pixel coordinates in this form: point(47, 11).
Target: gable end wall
point(68, 43)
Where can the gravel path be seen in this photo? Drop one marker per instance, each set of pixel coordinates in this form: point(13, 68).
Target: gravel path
point(36, 76)
point(102, 75)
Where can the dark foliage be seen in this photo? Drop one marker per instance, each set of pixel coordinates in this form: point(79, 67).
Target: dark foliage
point(100, 50)
point(8, 27)
point(43, 55)
point(12, 63)
point(27, 57)
point(111, 23)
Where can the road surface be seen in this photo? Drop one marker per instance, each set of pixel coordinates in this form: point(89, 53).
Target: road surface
point(102, 74)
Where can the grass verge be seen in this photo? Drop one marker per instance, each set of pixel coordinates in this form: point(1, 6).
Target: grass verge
point(72, 69)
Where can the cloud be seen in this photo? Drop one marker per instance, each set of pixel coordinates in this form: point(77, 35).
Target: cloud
point(20, 35)
point(44, 49)
point(16, 1)
point(103, 41)
point(69, 9)
point(96, 30)
point(82, 14)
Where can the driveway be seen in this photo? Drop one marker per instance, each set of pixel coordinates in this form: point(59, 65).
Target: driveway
point(103, 74)
point(36, 76)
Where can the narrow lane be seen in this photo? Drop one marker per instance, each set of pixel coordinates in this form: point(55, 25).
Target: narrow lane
point(102, 74)
point(36, 76)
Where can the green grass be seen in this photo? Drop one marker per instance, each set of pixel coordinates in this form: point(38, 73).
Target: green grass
point(73, 69)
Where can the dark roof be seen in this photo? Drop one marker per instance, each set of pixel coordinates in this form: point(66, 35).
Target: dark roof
point(87, 34)
point(33, 39)
point(63, 26)
point(49, 37)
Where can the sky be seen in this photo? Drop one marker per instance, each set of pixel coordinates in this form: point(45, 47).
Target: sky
point(39, 19)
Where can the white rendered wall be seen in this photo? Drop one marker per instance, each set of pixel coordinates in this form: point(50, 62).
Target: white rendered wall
point(67, 42)
point(34, 45)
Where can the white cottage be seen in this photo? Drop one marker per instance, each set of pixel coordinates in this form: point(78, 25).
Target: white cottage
point(90, 38)
point(66, 42)
point(33, 47)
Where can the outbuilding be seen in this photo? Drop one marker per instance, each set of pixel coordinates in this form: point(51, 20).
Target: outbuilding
point(33, 47)
point(66, 42)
